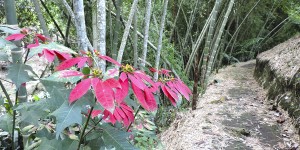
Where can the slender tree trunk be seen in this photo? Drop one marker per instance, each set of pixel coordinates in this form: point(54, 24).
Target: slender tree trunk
point(16, 53)
point(117, 28)
point(209, 38)
point(191, 22)
point(196, 80)
point(217, 42)
point(126, 31)
point(81, 29)
point(94, 24)
point(135, 41)
point(52, 18)
point(159, 45)
point(238, 28)
point(101, 28)
point(146, 31)
point(195, 49)
point(111, 33)
point(175, 21)
point(37, 9)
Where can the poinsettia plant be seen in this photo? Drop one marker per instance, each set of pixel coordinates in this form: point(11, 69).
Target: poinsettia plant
point(83, 98)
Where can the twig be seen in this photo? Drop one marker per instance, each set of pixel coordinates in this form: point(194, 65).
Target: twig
point(6, 94)
point(137, 111)
point(84, 128)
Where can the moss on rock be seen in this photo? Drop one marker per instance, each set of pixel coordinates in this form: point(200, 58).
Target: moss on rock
point(278, 71)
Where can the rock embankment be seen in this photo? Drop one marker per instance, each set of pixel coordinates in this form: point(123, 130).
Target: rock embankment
point(278, 71)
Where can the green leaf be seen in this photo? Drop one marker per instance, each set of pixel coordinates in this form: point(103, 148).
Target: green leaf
point(66, 144)
point(1, 100)
point(51, 46)
point(3, 56)
point(50, 144)
point(6, 123)
point(44, 133)
point(4, 43)
point(56, 77)
point(18, 73)
point(117, 138)
point(67, 115)
point(9, 29)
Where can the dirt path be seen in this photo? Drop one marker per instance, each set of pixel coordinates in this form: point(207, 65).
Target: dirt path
point(232, 114)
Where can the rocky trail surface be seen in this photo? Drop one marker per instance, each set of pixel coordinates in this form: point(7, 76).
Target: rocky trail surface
point(234, 113)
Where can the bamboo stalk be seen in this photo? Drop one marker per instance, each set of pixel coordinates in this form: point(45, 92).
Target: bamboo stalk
point(126, 31)
point(146, 31)
point(159, 45)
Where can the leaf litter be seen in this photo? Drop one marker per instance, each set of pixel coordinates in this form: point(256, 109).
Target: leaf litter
point(234, 113)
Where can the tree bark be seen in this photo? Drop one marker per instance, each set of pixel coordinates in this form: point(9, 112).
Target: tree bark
point(217, 42)
point(159, 45)
point(126, 31)
point(135, 41)
point(117, 28)
point(101, 28)
point(16, 53)
point(80, 29)
point(37, 9)
point(209, 38)
point(146, 31)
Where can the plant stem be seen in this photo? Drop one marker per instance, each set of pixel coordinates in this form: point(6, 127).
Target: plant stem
point(6, 94)
point(137, 111)
point(84, 128)
point(93, 127)
point(14, 124)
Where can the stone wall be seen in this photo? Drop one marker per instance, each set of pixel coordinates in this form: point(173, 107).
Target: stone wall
point(278, 71)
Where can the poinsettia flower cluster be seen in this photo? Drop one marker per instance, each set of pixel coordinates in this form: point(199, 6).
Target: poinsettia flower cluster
point(47, 53)
point(172, 87)
point(111, 93)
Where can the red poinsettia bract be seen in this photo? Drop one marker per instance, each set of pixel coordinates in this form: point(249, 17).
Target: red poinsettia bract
point(173, 87)
point(122, 114)
point(142, 85)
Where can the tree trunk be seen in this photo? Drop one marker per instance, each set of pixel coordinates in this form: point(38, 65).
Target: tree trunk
point(135, 41)
point(209, 38)
point(37, 9)
point(16, 53)
point(117, 29)
point(195, 49)
point(217, 42)
point(101, 28)
point(126, 31)
point(80, 29)
point(159, 45)
point(146, 32)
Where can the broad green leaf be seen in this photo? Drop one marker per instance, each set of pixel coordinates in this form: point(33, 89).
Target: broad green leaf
point(54, 144)
point(117, 138)
point(32, 116)
point(6, 123)
point(4, 43)
point(58, 95)
point(44, 133)
point(1, 100)
point(9, 29)
point(96, 143)
point(68, 144)
point(67, 115)
point(52, 46)
point(3, 56)
point(18, 73)
point(50, 144)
